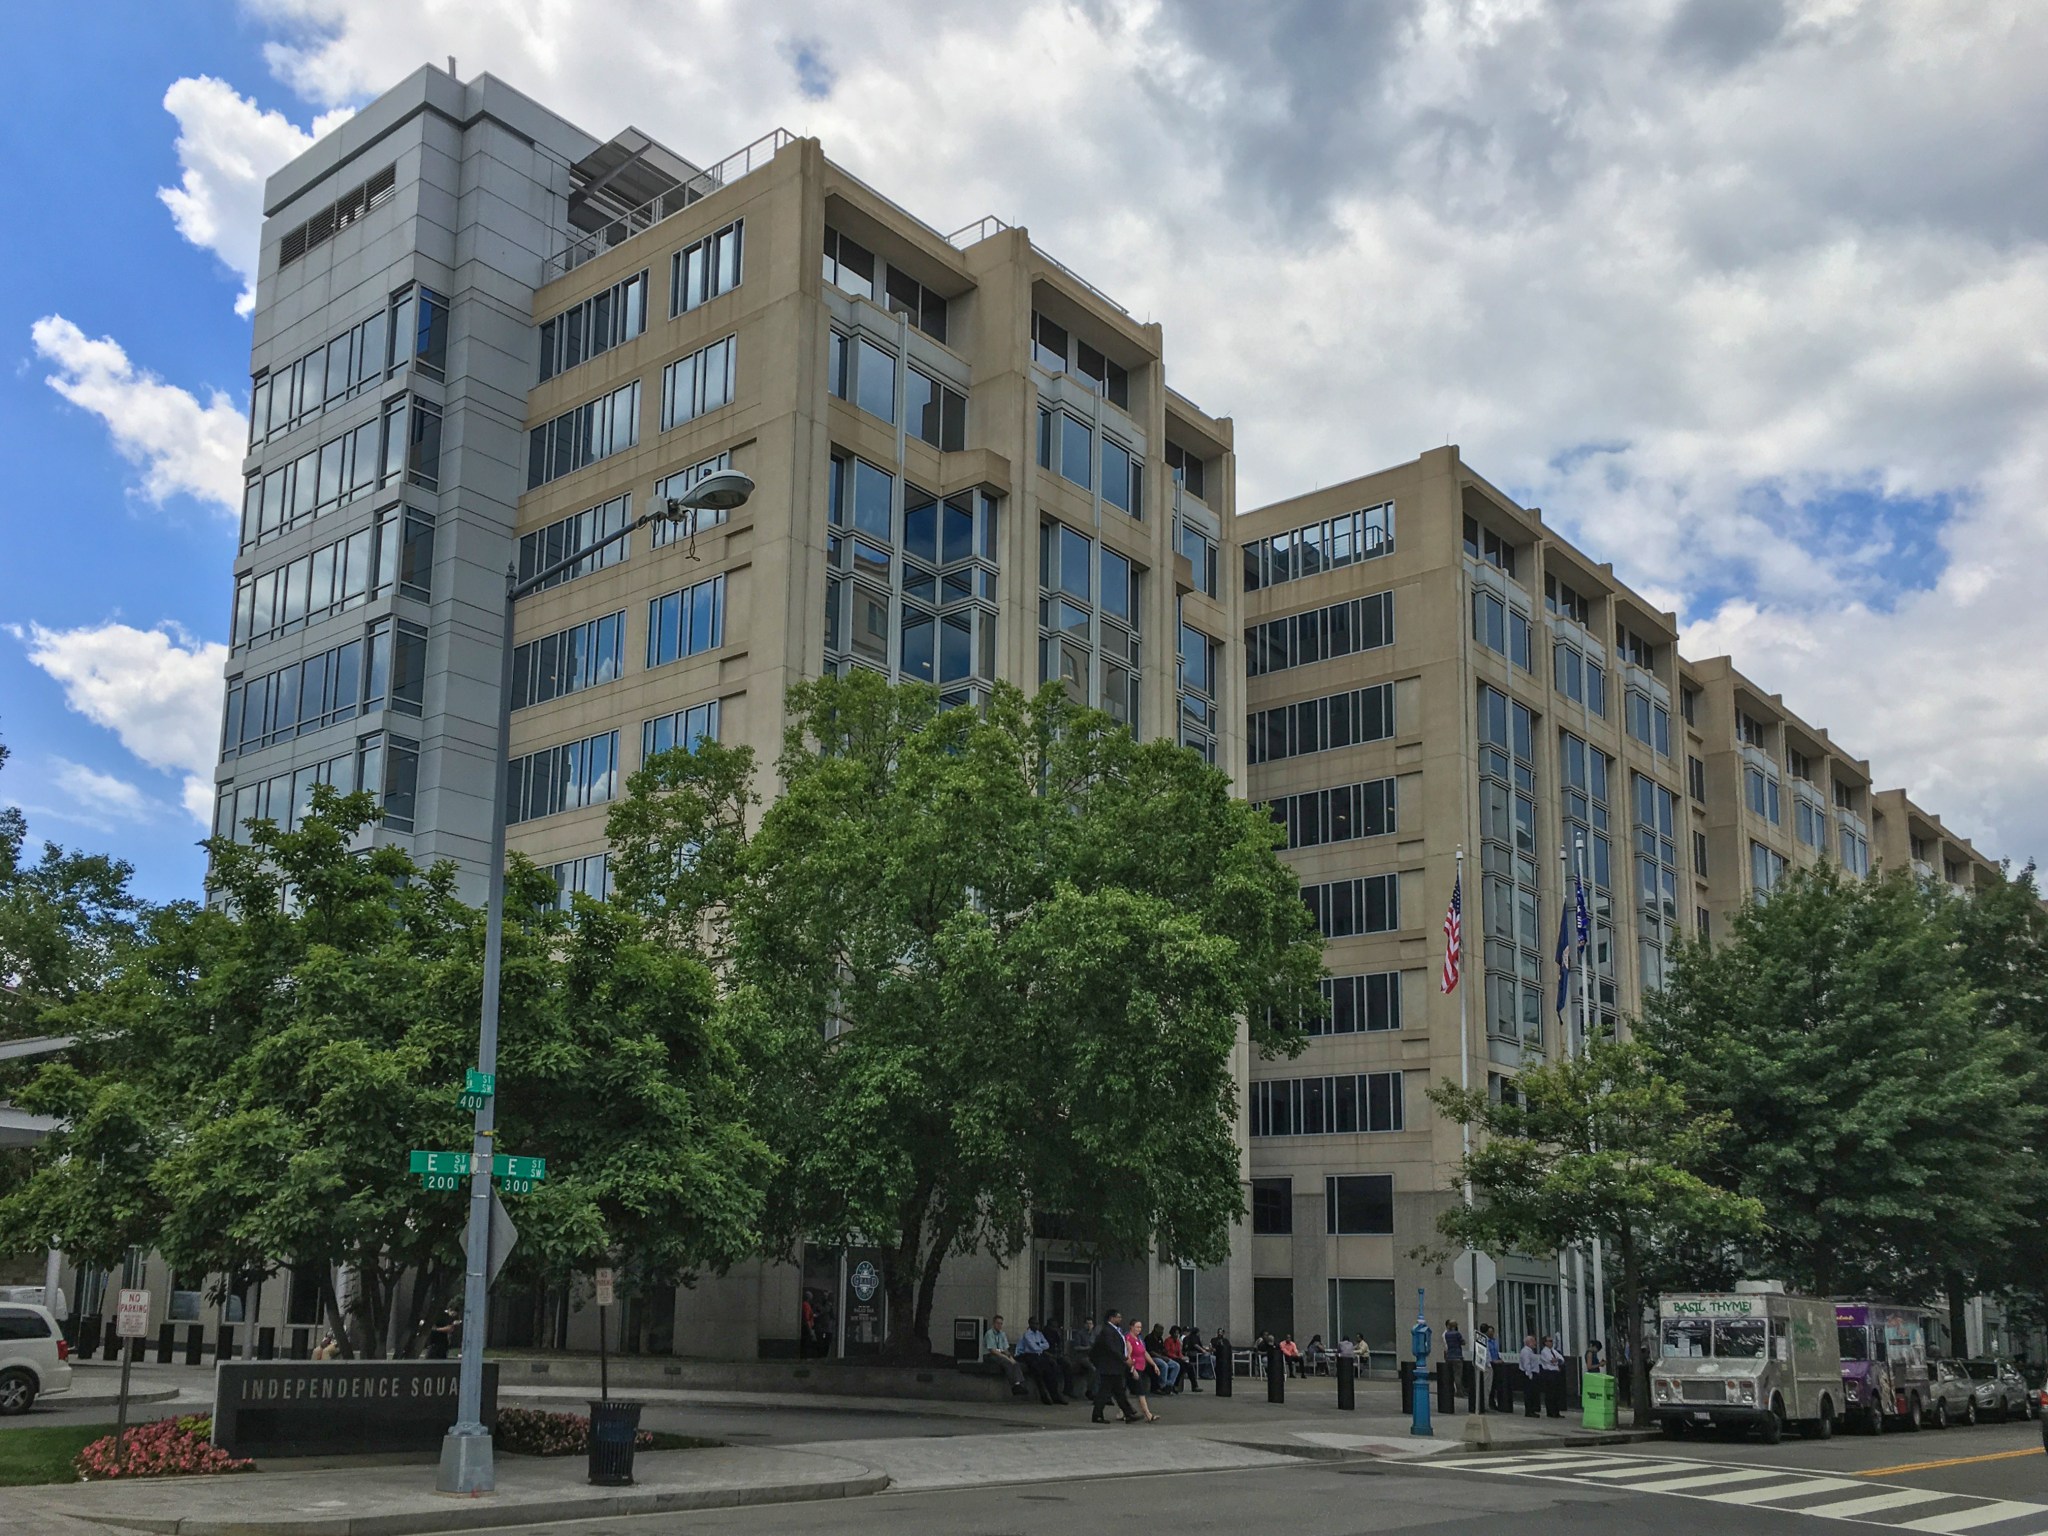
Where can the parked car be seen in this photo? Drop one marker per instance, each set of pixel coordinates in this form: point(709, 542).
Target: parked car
point(1951, 1394)
point(2001, 1391)
point(35, 1361)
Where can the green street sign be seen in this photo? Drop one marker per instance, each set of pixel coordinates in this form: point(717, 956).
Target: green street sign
point(531, 1168)
point(443, 1180)
point(473, 1101)
point(441, 1162)
point(485, 1083)
point(512, 1186)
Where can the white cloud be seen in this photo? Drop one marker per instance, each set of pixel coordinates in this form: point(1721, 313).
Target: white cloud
point(228, 146)
point(182, 447)
point(1683, 272)
point(101, 798)
point(158, 690)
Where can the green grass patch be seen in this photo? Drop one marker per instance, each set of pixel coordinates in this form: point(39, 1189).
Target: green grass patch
point(667, 1442)
point(44, 1454)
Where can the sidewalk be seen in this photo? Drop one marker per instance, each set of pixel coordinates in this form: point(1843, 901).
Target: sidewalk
point(395, 1500)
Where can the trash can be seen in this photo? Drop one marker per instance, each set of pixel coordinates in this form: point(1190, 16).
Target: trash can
point(613, 1426)
point(1597, 1391)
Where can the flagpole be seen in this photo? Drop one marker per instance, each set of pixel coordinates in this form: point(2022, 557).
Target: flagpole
point(1586, 1033)
point(1570, 1298)
point(1465, 1130)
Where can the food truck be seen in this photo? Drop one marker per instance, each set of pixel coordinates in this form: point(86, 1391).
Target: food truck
point(1884, 1363)
point(1754, 1358)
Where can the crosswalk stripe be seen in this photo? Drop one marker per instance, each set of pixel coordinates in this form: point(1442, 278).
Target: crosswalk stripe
point(1895, 1498)
point(1969, 1519)
point(1705, 1480)
point(1643, 1469)
point(1786, 1490)
point(1548, 1462)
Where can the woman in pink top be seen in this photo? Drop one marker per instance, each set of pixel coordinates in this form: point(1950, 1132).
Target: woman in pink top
point(1145, 1375)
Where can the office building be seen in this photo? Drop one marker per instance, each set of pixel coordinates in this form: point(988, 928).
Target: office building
point(485, 337)
point(1431, 668)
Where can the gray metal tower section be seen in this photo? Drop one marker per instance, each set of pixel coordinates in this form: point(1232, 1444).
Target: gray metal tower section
point(468, 196)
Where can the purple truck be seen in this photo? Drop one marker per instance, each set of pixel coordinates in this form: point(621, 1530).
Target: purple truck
point(1884, 1363)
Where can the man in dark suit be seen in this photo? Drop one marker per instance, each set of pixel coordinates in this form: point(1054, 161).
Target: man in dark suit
point(1110, 1353)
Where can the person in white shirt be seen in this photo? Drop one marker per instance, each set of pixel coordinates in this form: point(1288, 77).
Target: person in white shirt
point(1034, 1355)
point(1532, 1365)
point(995, 1350)
point(1551, 1364)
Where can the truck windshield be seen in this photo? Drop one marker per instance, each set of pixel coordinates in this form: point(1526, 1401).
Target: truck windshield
point(1687, 1338)
point(1739, 1338)
point(1855, 1341)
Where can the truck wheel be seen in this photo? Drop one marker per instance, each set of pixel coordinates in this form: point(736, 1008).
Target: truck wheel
point(1822, 1428)
point(17, 1392)
point(1773, 1427)
point(1914, 1414)
point(1873, 1420)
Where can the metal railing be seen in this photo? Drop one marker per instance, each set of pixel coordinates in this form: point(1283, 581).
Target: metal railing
point(593, 243)
point(989, 224)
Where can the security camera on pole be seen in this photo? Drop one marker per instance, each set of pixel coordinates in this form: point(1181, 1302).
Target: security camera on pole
point(466, 1465)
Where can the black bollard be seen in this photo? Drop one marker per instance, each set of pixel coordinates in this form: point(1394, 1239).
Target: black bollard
point(1447, 1387)
point(1347, 1389)
point(1226, 1367)
point(195, 1344)
point(165, 1343)
point(1276, 1375)
point(1404, 1373)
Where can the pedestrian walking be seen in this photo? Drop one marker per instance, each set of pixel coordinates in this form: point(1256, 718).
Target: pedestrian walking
point(1454, 1357)
point(1109, 1356)
point(1144, 1374)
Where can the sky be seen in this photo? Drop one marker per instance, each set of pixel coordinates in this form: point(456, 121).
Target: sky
point(1750, 296)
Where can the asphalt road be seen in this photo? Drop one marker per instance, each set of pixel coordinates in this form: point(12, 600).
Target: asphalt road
point(1992, 1481)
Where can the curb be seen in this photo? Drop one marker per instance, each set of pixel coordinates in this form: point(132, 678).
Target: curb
point(65, 1401)
point(482, 1514)
point(1564, 1442)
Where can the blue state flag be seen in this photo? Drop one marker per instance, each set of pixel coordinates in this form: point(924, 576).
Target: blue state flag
point(1564, 954)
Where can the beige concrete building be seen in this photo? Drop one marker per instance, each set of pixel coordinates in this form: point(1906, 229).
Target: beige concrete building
point(1431, 668)
point(969, 467)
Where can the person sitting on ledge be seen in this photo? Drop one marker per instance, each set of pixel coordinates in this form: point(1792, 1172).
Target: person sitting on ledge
point(995, 1350)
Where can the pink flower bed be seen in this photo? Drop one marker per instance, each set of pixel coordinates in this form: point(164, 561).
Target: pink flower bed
point(167, 1448)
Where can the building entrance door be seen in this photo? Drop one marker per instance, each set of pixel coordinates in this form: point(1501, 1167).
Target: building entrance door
point(1069, 1293)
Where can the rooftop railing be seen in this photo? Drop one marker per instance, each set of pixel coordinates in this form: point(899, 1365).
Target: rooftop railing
point(587, 245)
point(988, 224)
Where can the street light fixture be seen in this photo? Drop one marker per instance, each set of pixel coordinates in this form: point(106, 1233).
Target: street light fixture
point(466, 1465)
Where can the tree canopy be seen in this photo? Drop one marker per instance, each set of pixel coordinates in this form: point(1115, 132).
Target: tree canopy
point(1882, 1103)
point(1599, 1145)
point(994, 964)
point(251, 1079)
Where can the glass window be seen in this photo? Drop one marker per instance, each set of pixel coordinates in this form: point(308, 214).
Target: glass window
point(1076, 450)
point(1273, 1207)
point(1116, 587)
point(1359, 1204)
point(875, 380)
point(1119, 476)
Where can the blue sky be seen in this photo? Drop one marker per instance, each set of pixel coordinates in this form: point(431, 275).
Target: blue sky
point(94, 244)
point(1744, 293)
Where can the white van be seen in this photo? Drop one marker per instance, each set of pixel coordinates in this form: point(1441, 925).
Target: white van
point(35, 1360)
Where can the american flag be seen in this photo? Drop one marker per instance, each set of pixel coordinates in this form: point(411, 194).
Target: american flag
point(1454, 934)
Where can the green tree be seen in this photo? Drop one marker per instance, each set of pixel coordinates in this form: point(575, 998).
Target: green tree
point(2000, 945)
point(1874, 1110)
point(62, 918)
point(994, 966)
point(1599, 1145)
point(260, 1071)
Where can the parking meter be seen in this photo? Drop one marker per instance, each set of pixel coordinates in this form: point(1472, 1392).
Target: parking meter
point(1420, 1337)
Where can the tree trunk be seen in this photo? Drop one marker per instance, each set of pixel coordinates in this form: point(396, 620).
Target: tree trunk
point(1958, 1318)
point(331, 1305)
point(921, 1324)
point(899, 1282)
point(1638, 1351)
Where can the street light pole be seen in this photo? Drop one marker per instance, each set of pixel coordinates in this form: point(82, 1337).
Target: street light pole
point(466, 1464)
